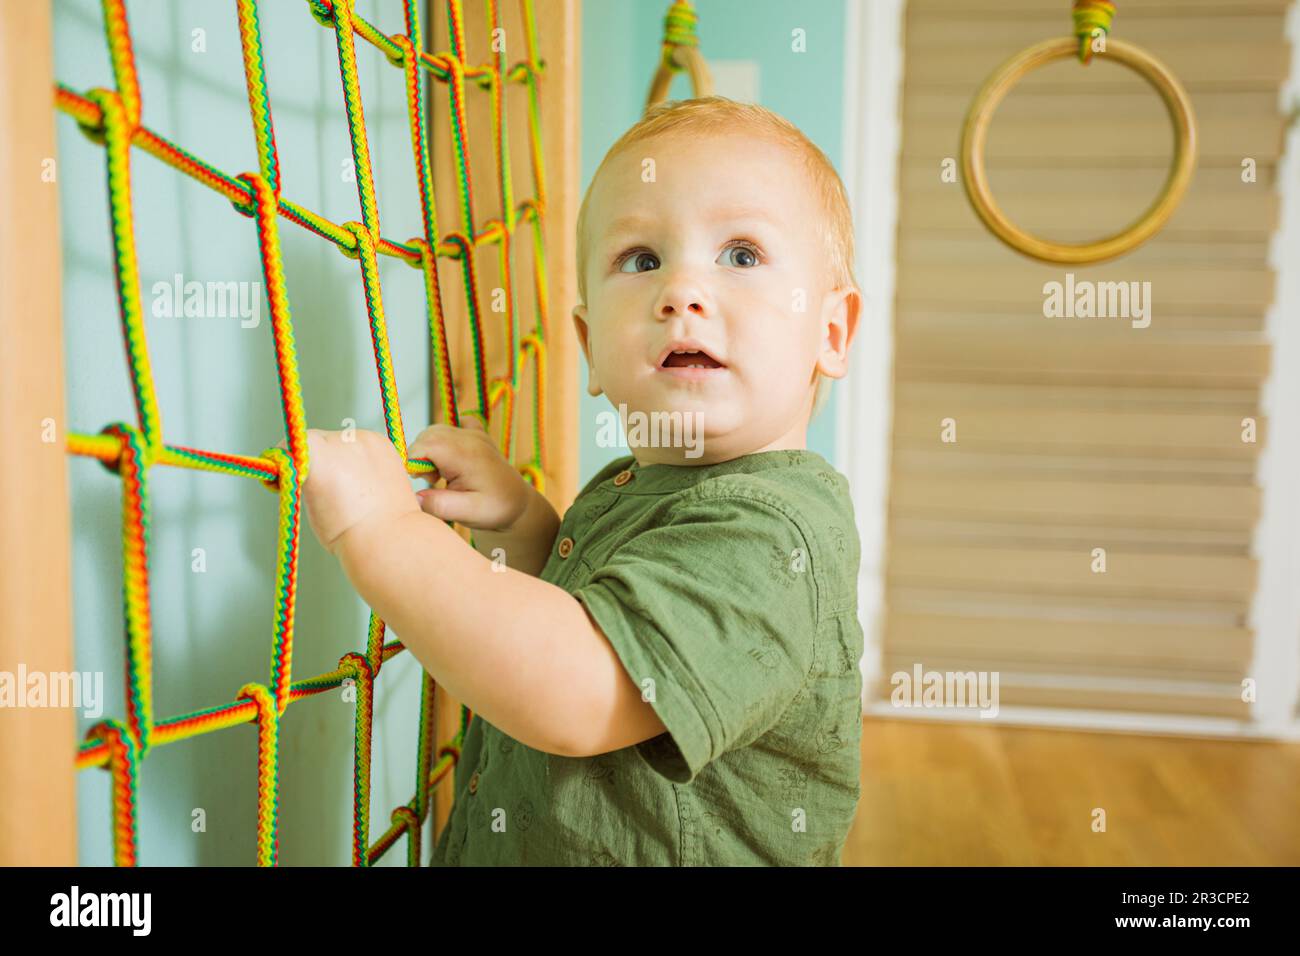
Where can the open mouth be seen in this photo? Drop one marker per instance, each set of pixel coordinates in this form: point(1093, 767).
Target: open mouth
point(690, 359)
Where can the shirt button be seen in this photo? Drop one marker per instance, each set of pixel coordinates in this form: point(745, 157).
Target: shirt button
point(473, 783)
point(566, 546)
point(623, 477)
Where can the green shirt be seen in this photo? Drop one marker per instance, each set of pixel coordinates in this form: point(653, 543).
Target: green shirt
point(729, 592)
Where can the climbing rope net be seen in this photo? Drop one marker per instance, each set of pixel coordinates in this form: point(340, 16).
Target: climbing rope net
point(112, 118)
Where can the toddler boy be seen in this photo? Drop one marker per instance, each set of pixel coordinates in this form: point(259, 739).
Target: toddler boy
point(670, 674)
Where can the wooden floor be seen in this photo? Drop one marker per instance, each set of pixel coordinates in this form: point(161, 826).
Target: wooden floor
point(948, 794)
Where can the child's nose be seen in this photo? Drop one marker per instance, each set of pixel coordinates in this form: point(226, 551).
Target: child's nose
point(682, 293)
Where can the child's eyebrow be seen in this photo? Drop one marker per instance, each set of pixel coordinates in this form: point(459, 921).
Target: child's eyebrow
point(625, 224)
point(635, 223)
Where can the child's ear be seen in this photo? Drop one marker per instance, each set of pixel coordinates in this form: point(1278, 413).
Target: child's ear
point(580, 327)
point(840, 311)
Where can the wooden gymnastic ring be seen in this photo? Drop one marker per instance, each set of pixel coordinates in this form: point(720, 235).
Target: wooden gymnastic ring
point(687, 58)
point(1142, 229)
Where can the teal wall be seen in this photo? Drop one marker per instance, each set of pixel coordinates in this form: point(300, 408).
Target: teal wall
point(620, 50)
point(217, 387)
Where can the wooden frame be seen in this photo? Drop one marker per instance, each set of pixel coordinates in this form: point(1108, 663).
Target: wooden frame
point(559, 42)
point(38, 826)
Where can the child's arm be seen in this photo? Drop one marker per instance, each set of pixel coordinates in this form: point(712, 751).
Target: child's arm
point(521, 652)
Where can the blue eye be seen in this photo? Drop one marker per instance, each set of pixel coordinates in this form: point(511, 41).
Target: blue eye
point(753, 256)
point(635, 258)
point(749, 250)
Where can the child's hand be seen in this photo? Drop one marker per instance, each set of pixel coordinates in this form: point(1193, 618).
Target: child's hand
point(484, 491)
point(353, 482)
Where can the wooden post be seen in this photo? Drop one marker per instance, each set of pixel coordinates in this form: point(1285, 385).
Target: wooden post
point(559, 46)
point(38, 814)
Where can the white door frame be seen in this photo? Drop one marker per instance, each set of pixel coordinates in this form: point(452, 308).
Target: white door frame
point(864, 409)
point(1275, 613)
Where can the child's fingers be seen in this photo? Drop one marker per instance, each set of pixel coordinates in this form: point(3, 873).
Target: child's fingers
point(433, 444)
point(449, 505)
point(431, 477)
point(449, 450)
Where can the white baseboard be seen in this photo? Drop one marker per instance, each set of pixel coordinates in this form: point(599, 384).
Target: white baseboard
point(1173, 725)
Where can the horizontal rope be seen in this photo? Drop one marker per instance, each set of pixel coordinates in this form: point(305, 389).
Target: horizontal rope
point(89, 116)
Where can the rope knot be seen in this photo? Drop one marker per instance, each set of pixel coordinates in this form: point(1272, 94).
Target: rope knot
point(406, 815)
point(679, 30)
point(405, 50)
point(255, 183)
point(419, 245)
point(356, 666)
point(97, 132)
point(322, 11)
point(143, 455)
point(1089, 17)
point(361, 235)
point(287, 470)
point(259, 695)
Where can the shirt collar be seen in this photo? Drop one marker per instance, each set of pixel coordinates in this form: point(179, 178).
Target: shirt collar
point(659, 479)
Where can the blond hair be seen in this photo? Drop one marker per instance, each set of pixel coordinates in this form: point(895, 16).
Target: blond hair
point(714, 114)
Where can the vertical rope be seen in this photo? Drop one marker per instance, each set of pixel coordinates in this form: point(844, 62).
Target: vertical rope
point(542, 292)
point(355, 666)
point(268, 773)
point(259, 100)
point(356, 115)
point(379, 337)
point(133, 468)
point(122, 57)
point(123, 768)
point(467, 239)
point(126, 272)
point(286, 576)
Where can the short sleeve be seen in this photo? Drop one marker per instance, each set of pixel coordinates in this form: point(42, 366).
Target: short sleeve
point(718, 607)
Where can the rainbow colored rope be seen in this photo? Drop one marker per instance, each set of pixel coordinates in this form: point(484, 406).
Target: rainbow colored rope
point(1090, 16)
point(679, 30)
point(113, 118)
